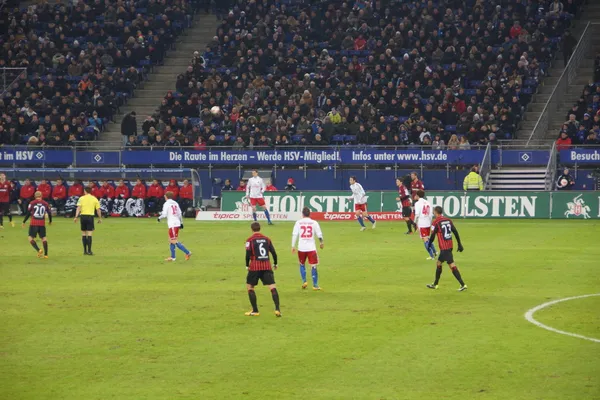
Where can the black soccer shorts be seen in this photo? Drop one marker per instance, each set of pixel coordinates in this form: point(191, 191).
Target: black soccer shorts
point(87, 223)
point(34, 231)
point(446, 256)
point(266, 277)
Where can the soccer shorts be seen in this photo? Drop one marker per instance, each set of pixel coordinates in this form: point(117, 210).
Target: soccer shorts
point(254, 201)
point(446, 256)
point(174, 233)
point(266, 277)
point(5, 209)
point(425, 232)
point(360, 207)
point(406, 211)
point(311, 256)
point(87, 223)
point(35, 231)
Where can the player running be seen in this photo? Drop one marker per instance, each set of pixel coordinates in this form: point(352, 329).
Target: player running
point(444, 228)
point(304, 234)
point(360, 203)
point(254, 191)
point(259, 267)
point(406, 202)
point(37, 210)
point(5, 189)
point(423, 216)
point(172, 213)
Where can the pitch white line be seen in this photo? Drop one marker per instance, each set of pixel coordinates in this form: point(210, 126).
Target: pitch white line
point(529, 317)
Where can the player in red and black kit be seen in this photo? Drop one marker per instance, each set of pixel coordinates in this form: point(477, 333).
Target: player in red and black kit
point(5, 189)
point(404, 196)
point(444, 228)
point(259, 267)
point(415, 184)
point(37, 210)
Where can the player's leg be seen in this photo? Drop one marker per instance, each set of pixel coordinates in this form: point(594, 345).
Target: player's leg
point(438, 274)
point(264, 206)
point(45, 244)
point(313, 260)
point(89, 242)
point(369, 218)
point(2, 207)
point(172, 245)
point(253, 207)
point(302, 260)
point(458, 277)
point(359, 217)
point(251, 282)
point(33, 243)
point(84, 242)
point(275, 296)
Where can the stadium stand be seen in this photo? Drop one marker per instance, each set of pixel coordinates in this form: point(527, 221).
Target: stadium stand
point(68, 68)
point(336, 73)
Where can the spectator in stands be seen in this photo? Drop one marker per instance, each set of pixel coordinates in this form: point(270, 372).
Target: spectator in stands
point(464, 144)
point(227, 186)
point(290, 187)
point(173, 187)
point(95, 189)
point(591, 139)
point(59, 196)
point(186, 196)
point(597, 68)
point(242, 186)
point(26, 195)
point(128, 127)
point(46, 190)
point(569, 42)
point(270, 187)
point(563, 142)
point(565, 181)
point(154, 198)
point(131, 143)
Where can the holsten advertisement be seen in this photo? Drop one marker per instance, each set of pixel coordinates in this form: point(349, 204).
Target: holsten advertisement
point(339, 206)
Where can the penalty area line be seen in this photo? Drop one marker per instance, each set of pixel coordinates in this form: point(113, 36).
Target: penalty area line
point(530, 312)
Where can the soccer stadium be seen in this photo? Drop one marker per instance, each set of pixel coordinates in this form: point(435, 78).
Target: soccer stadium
point(324, 199)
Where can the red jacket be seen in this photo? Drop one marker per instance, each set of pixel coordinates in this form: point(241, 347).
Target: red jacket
point(156, 191)
point(46, 190)
point(139, 191)
point(122, 192)
point(107, 191)
point(96, 192)
point(76, 190)
point(271, 188)
point(27, 191)
point(563, 144)
point(186, 192)
point(173, 188)
point(59, 192)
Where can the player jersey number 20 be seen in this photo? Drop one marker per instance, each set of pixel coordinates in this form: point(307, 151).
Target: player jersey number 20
point(39, 211)
point(306, 232)
point(261, 249)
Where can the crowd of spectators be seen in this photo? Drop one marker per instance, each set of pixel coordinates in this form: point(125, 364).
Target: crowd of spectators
point(117, 198)
point(446, 74)
point(582, 122)
point(75, 63)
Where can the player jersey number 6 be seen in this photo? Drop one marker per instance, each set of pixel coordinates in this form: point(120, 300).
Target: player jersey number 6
point(261, 249)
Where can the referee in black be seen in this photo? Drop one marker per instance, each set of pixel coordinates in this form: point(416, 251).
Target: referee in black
point(87, 207)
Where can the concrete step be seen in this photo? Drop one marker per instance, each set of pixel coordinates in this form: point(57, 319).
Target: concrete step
point(518, 170)
point(532, 115)
point(535, 107)
point(541, 98)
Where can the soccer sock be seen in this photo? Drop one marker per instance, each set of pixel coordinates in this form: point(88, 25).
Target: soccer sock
point(182, 248)
point(413, 224)
point(84, 241)
point(34, 245)
point(433, 250)
point(456, 274)
point(427, 248)
point(252, 297)
point(409, 226)
point(1, 220)
point(172, 248)
point(371, 219)
point(360, 221)
point(268, 216)
point(254, 215)
point(275, 298)
point(438, 274)
point(303, 273)
point(315, 277)
point(89, 241)
point(45, 244)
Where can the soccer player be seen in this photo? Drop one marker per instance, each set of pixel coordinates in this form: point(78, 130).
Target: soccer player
point(5, 189)
point(415, 184)
point(258, 264)
point(37, 210)
point(87, 207)
point(360, 203)
point(172, 213)
point(254, 191)
point(304, 234)
point(423, 216)
point(404, 199)
point(444, 228)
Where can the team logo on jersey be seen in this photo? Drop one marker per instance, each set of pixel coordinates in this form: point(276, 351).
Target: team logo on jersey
point(243, 205)
point(578, 208)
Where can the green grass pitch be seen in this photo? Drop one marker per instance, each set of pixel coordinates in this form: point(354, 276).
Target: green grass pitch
point(126, 325)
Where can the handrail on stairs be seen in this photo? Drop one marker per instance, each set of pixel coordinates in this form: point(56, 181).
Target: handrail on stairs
point(551, 168)
point(562, 86)
point(486, 165)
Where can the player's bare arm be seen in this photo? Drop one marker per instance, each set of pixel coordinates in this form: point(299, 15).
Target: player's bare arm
point(322, 243)
point(99, 213)
point(77, 213)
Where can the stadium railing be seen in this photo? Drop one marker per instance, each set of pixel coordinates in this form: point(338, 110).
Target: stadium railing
point(486, 165)
point(9, 77)
point(562, 86)
point(551, 168)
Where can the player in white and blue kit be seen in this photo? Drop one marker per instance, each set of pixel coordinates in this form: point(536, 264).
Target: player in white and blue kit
point(360, 203)
point(172, 213)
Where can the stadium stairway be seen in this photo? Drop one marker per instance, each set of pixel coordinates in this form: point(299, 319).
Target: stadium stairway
point(162, 78)
point(584, 76)
point(517, 179)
